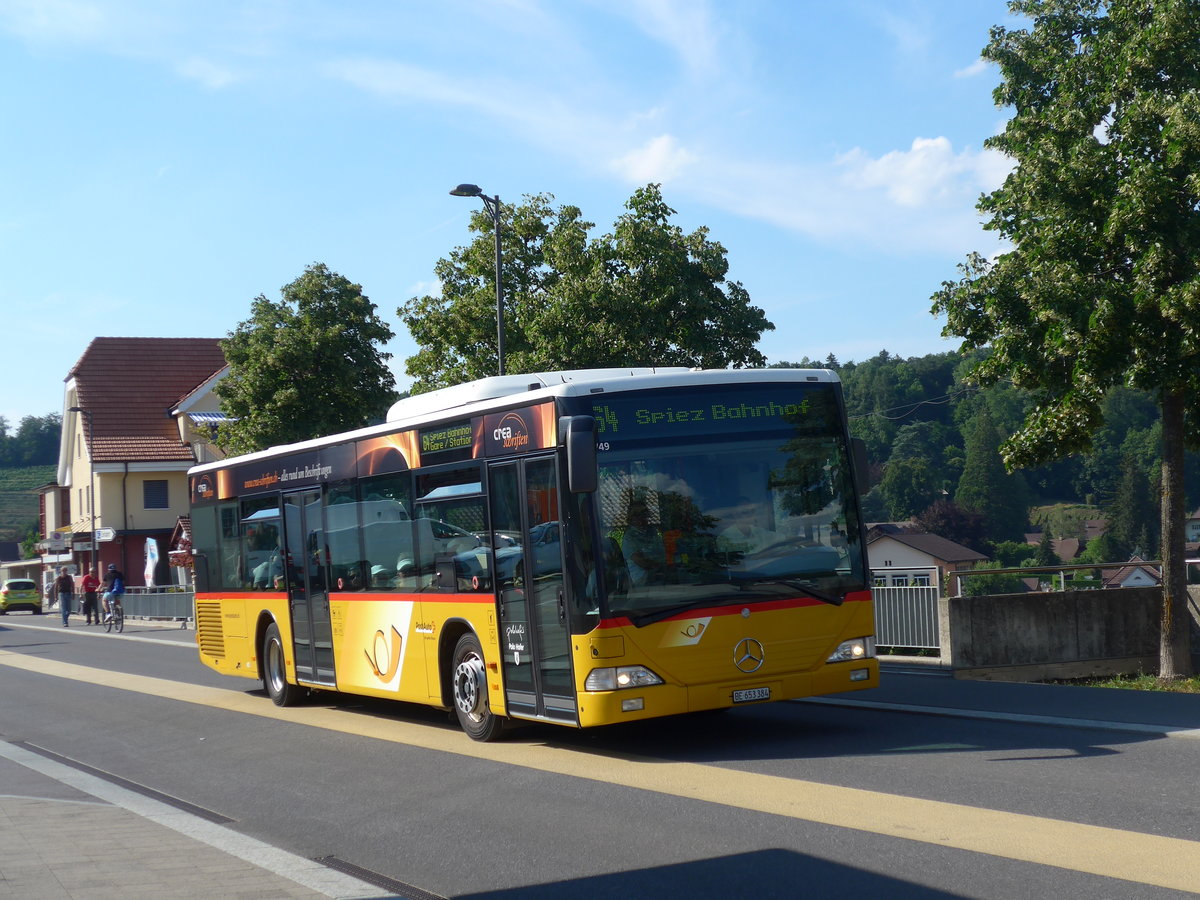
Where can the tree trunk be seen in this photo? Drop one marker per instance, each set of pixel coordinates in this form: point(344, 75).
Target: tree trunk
point(1174, 651)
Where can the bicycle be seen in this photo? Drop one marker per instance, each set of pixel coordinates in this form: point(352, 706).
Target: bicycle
point(115, 617)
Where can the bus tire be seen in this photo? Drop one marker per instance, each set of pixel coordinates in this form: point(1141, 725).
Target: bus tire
point(274, 670)
point(468, 679)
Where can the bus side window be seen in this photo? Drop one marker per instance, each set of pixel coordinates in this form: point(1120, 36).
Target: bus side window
point(342, 521)
point(387, 532)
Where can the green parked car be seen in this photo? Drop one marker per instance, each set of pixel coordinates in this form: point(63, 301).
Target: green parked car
point(20, 593)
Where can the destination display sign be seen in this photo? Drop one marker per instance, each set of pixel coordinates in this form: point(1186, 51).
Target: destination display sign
point(714, 410)
point(456, 436)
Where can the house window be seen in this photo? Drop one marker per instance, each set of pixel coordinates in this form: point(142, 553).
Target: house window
point(921, 581)
point(879, 581)
point(154, 494)
point(899, 581)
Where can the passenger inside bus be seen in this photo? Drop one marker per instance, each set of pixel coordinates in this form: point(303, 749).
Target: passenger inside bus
point(642, 544)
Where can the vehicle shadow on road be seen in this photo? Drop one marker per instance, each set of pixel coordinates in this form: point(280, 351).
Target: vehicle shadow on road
point(764, 873)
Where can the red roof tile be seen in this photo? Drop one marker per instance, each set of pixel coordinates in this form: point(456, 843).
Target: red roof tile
point(130, 386)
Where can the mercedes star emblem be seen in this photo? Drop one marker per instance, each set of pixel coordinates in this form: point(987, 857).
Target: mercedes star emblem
point(748, 655)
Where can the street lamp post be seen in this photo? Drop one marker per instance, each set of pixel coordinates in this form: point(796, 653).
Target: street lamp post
point(492, 205)
point(87, 414)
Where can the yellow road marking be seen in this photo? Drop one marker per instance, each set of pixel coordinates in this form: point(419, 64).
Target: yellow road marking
point(1108, 852)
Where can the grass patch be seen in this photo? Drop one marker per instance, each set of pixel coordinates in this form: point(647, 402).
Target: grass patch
point(1140, 682)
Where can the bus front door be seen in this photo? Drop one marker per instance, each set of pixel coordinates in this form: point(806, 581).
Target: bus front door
point(535, 642)
point(308, 596)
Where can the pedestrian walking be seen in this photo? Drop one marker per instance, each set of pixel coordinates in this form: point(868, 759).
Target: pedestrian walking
point(64, 588)
point(91, 605)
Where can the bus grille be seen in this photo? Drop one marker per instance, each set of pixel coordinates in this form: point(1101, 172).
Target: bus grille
point(210, 634)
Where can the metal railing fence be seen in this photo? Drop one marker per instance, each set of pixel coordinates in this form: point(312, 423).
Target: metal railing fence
point(907, 615)
point(159, 603)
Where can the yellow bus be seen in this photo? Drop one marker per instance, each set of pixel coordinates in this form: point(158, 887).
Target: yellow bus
point(580, 548)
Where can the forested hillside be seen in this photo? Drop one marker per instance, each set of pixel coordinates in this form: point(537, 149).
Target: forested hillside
point(28, 459)
point(932, 441)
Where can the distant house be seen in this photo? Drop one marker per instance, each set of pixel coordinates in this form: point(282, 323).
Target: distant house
point(1133, 575)
point(896, 559)
point(137, 414)
point(1066, 549)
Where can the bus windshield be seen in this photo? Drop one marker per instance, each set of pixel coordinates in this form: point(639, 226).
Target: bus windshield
point(725, 495)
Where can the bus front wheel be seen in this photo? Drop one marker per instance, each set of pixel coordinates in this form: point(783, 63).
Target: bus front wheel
point(469, 681)
point(274, 670)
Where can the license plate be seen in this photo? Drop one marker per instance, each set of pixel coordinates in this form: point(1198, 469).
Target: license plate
point(746, 696)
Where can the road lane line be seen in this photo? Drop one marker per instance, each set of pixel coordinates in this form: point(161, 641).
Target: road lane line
point(1166, 862)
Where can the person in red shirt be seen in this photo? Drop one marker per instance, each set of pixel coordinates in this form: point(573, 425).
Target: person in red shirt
point(90, 585)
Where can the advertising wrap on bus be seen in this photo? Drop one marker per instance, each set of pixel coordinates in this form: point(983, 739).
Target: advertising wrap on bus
point(707, 551)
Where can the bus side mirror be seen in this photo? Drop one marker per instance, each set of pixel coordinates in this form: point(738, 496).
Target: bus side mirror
point(578, 434)
point(858, 451)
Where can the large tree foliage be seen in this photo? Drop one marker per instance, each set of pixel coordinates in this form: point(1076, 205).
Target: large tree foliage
point(307, 365)
point(1102, 284)
point(644, 294)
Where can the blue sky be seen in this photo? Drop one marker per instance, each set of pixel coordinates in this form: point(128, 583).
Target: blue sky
point(166, 161)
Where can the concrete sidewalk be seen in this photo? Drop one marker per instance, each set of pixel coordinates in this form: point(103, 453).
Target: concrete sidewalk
point(70, 834)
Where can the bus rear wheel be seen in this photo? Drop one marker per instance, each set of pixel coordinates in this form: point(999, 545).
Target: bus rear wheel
point(274, 670)
point(469, 686)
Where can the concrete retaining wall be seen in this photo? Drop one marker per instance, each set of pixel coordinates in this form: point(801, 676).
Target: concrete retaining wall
point(1072, 634)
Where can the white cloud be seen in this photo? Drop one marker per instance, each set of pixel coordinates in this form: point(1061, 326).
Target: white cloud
point(686, 26)
point(208, 73)
point(929, 173)
point(976, 68)
point(661, 159)
point(399, 80)
point(75, 21)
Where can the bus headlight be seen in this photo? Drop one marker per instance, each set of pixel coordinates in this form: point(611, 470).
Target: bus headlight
point(613, 679)
point(855, 648)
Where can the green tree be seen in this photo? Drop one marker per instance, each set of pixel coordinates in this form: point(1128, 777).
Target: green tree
point(908, 486)
point(305, 366)
point(1045, 555)
point(644, 294)
point(983, 585)
point(1102, 284)
point(1133, 513)
point(1010, 554)
point(986, 488)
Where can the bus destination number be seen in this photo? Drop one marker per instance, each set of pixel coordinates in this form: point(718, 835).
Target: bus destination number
point(751, 694)
point(603, 445)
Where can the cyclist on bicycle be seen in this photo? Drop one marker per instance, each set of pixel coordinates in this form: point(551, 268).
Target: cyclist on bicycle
point(114, 587)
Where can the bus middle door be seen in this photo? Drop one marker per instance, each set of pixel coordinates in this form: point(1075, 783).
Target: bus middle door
point(535, 643)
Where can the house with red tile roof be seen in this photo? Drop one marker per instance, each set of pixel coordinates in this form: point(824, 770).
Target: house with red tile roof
point(137, 414)
point(900, 559)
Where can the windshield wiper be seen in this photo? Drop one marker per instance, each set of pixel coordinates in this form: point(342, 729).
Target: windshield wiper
point(640, 620)
point(806, 587)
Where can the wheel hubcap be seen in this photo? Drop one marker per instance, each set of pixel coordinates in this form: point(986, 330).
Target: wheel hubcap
point(274, 667)
point(468, 686)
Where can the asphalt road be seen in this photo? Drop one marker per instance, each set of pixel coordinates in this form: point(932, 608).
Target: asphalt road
point(803, 799)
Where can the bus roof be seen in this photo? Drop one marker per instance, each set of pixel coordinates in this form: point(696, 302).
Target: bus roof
point(475, 397)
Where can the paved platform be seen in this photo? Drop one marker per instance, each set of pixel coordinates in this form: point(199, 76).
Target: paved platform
point(70, 834)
